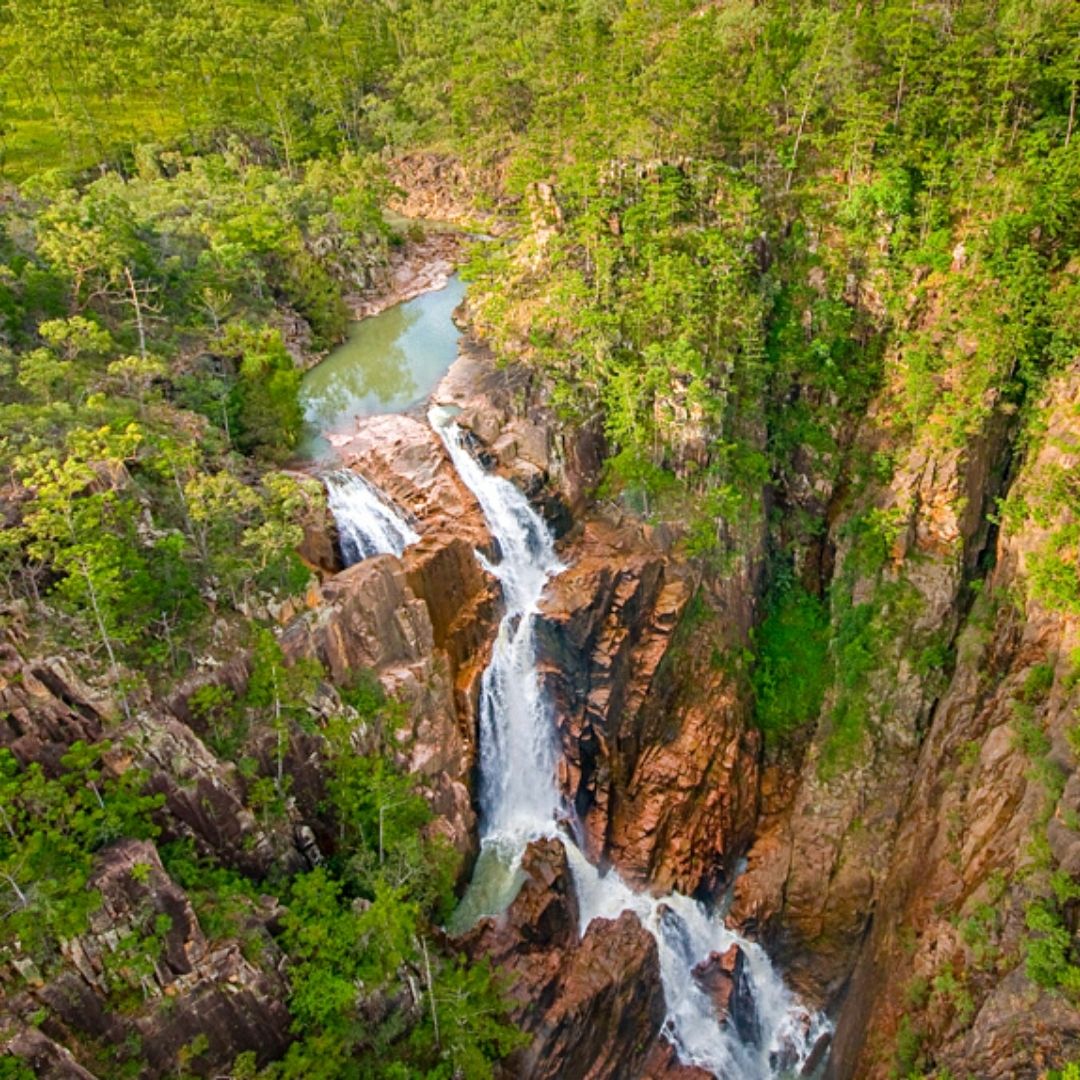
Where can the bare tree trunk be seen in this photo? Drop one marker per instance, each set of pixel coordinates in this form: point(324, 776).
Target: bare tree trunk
point(430, 989)
point(99, 618)
point(806, 109)
point(135, 303)
point(7, 824)
point(105, 639)
point(280, 735)
point(286, 135)
point(1072, 116)
point(18, 892)
point(903, 66)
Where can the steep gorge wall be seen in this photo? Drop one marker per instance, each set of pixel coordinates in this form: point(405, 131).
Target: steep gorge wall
point(814, 872)
point(992, 812)
point(894, 868)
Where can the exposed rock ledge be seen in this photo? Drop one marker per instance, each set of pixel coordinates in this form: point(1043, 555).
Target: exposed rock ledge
point(418, 266)
point(213, 990)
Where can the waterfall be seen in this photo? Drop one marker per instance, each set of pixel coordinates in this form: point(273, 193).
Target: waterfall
point(519, 802)
point(367, 523)
point(518, 794)
point(783, 1032)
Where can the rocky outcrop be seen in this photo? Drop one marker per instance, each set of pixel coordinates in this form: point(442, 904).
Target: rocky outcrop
point(423, 263)
point(663, 1064)
point(47, 1060)
point(656, 759)
point(593, 1005)
point(424, 624)
point(371, 619)
point(45, 707)
point(146, 977)
point(434, 187)
point(507, 411)
point(404, 458)
point(204, 797)
point(723, 976)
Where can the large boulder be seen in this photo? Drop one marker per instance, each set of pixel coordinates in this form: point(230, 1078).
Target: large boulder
point(593, 1004)
point(724, 977)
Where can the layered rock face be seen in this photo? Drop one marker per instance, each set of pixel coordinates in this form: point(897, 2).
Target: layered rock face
point(44, 707)
point(418, 266)
point(194, 989)
point(657, 761)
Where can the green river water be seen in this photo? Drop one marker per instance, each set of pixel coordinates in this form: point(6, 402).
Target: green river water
point(388, 364)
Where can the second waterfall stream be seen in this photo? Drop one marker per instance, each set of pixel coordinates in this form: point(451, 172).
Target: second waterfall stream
point(368, 523)
point(519, 802)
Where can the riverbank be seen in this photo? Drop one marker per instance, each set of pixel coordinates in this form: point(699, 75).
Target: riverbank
point(420, 265)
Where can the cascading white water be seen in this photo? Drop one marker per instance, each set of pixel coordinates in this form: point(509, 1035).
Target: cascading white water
point(519, 802)
point(516, 734)
point(367, 523)
point(687, 934)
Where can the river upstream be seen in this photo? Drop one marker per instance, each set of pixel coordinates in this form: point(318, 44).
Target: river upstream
point(392, 362)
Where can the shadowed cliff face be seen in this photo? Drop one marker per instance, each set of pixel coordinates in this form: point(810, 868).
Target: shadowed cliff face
point(896, 881)
point(814, 871)
point(990, 816)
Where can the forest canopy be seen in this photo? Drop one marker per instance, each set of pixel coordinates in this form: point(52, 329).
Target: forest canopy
point(732, 228)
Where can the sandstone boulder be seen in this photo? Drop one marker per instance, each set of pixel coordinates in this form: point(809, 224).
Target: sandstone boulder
point(724, 977)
